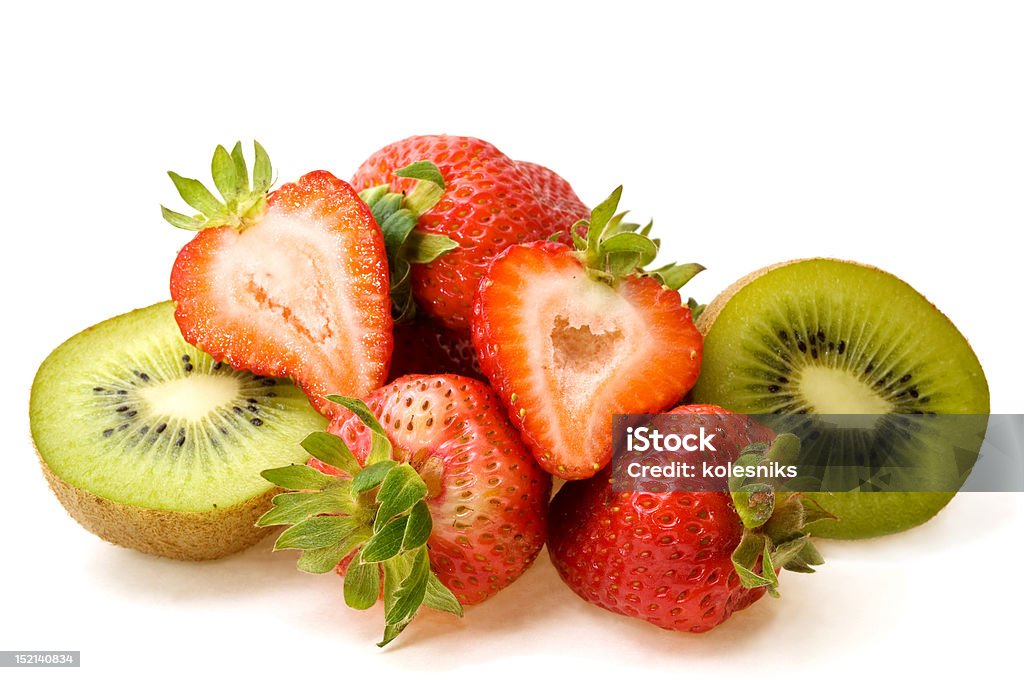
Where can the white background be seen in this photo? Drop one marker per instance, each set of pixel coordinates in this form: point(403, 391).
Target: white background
point(886, 132)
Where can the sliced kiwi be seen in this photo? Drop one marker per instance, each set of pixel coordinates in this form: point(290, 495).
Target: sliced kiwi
point(832, 337)
point(151, 444)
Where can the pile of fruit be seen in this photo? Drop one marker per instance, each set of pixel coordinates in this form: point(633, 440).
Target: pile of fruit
point(394, 368)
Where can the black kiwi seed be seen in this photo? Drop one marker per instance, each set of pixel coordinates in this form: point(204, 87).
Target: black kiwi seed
point(128, 405)
point(118, 413)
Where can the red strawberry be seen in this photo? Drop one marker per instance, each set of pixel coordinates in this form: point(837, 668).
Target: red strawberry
point(425, 347)
point(681, 560)
point(291, 283)
point(569, 337)
point(554, 193)
point(448, 508)
point(488, 203)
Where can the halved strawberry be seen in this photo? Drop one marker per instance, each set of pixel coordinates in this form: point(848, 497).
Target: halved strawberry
point(291, 283)
point(570, 337)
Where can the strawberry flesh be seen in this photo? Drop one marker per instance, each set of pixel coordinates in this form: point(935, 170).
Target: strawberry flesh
point(301, 293)
point(565, 352)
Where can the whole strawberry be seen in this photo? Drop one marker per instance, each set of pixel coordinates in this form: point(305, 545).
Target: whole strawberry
point(422, 346)
point(568, 337)
point(683, 560)
point(291, 282)
point(424, 493)
point(489, 202)
point(554, 193)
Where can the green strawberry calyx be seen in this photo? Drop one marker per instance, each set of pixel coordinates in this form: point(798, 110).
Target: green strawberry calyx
point(397, 214)
point(614, 248)
point(375, 514)
point(243, 203)
point(774, 523)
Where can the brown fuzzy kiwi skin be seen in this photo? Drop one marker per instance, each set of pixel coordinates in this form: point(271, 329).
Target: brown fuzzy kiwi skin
point(192, 536)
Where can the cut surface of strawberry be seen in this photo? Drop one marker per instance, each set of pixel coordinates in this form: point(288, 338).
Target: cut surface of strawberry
point(570, 337)
point(296, 287)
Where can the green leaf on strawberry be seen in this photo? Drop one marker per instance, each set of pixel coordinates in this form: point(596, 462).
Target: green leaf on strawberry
point(614, 248)
point(384, 532)
point(774, 534)
point(241, 206)
point(397, 215)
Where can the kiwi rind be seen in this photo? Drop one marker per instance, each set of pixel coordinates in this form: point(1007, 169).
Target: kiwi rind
point(862, 515)
point(193, 527)
point(192, 536)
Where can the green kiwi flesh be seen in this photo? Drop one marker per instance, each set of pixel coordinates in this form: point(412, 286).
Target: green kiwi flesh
point(152, 444)
point(832, 337)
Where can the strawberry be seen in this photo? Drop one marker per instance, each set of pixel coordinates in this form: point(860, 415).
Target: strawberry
point(554, 193)
point(423, 346)
point(488, 203)
point(569, 337)
point(426, 489)
point(683, 560)
point(288, 283)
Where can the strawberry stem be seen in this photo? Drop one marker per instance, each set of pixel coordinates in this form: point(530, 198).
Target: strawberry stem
point(397, 214)
point(774, 534)
point(615, 248)
point(374, 513)
point(242, 204)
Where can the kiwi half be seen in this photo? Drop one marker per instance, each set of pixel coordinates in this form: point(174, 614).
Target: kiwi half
point(151, 444)
point(826, 336)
